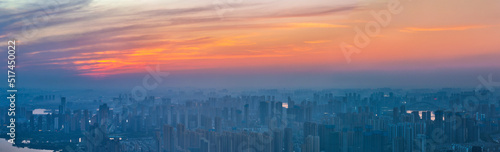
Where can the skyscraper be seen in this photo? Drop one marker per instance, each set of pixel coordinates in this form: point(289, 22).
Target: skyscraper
point(263, 112)
point(288, 140)
point(168, 138)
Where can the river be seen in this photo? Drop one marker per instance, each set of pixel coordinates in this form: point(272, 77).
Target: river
point(5, 146)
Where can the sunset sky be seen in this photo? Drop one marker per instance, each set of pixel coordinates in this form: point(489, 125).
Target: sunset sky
point(269, 43)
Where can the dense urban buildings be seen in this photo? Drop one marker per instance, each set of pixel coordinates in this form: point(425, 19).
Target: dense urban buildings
point(267, 120)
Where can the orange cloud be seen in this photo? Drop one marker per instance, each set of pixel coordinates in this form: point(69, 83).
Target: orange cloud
point(316, 25)
point(317, 41)
point(458, 28)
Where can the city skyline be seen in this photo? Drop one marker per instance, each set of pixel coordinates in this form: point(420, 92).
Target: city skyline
point(250, 76)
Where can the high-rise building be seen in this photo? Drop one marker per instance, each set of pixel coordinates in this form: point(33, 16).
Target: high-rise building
point(310, 128)
point(62, 107)
point(279, 108)
point(218, 124)
point(416, 116)
point(324, 137)
point(395, 115)
point(263, 112)
point(103, 114)
point(438, 117)
point(421, 143)
point(246, 112)
point(311, 144)
point(288, 140)
point(373, 141)
point(168, 138)
point(204, 145)
point(277, 141)
point(181, 136)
